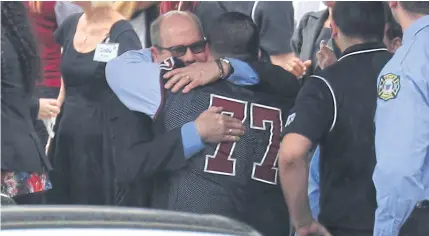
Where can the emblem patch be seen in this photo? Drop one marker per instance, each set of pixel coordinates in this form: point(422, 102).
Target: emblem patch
point(388, 87)
point(290, 119)
point(167, 64)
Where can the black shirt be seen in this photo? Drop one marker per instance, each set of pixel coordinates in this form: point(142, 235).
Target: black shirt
point(335, 109)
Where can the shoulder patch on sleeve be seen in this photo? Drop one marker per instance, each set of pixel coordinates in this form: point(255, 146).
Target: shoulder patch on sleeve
point(388, 86)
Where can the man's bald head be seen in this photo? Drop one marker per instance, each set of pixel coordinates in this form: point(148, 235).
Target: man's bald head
point(177, 29)
point(174, 24)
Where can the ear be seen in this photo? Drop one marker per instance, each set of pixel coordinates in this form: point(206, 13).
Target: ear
point(207, 49)
point(155, 54)
point(207, 52)
point(396, 43)
point(334, 29)
point(393, 4)
point(209, 55)
point(329, 3)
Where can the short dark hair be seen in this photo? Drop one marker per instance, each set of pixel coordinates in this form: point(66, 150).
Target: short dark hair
point(234, 34)
point(417, 7)
point(363, 20)
point(393, 28)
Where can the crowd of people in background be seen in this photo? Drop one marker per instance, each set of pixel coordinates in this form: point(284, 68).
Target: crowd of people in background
point(306, 118)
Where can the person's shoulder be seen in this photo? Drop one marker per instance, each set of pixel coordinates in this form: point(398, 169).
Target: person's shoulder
point(321, 79)
point(318, 14)
point(123, 31)
point(309, 17)
point(62, 33)
point(71, 20)
point(329, 72)
point(413, 58)
point(284, 5)
point(313, 15)
point(419, 48)
point(422, 39)
point(331, 78)
point(275, 11)
point(121, 26)
point(10, 65)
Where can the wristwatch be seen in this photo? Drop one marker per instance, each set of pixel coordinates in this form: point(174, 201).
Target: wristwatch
point(221, 70)
point(226, 61)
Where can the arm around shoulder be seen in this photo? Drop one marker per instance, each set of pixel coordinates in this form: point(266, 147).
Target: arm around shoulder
point(135, 79)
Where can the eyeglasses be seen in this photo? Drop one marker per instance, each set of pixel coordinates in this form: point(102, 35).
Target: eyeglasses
point(179, 51)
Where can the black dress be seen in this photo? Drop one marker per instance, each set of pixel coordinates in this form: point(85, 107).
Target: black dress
point(83, 169)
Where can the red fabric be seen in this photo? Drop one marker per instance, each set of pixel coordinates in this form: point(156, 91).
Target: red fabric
point(166, 6)
point(44, 25)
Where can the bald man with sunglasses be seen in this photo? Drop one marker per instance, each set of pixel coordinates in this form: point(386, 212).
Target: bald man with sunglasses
point(171, 38)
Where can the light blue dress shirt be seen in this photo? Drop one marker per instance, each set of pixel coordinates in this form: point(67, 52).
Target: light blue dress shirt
point(401, 176)
point(313, 184)
point(135, 79)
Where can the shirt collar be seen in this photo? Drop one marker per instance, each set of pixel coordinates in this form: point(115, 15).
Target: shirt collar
point(415, 27)
point(363, 48)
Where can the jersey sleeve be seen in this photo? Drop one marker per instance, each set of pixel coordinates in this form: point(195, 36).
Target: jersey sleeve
point(313, 113)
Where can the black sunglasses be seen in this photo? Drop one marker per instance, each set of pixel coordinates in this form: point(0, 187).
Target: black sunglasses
point(179, 51)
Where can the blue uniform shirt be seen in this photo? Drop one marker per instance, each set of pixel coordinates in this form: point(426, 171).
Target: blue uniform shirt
point(401, 176)
point(134, 78)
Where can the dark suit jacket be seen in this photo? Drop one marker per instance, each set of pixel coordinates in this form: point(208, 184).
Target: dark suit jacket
point(305, 36)
point(139, 148)
point(21, 149)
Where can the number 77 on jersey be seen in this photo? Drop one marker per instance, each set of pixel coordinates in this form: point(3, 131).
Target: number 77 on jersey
point(261, 117)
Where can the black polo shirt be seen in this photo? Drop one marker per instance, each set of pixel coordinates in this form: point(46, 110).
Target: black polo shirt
point(335, 109)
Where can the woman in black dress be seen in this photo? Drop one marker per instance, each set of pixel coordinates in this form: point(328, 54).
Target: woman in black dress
point(83, 169)
point(24, 165)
